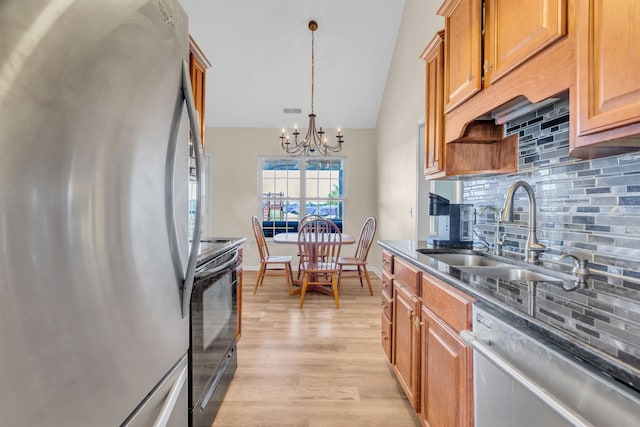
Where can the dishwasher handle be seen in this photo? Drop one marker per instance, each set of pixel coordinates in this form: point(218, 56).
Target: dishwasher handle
point(501, 363)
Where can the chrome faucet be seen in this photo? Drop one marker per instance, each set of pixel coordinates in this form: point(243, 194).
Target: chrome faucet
point(533, 247)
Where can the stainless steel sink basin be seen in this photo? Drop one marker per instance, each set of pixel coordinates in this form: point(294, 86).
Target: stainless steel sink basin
point(509, 273)
point(471, 260)
point(478, 264)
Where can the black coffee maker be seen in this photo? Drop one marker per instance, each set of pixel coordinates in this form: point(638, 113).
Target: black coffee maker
point(455, 222)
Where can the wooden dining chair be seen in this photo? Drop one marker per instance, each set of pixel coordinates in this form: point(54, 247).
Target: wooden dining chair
point(301, 223)
point(358, 263)
point(319, 244)
point(270, 265)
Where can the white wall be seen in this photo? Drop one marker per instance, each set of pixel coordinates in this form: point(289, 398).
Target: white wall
point(234, 181)
point(403, 105)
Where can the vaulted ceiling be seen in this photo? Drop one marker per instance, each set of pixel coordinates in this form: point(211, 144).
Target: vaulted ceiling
point(261, 56)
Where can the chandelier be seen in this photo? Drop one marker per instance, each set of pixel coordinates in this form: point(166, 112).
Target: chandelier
point(314, 142)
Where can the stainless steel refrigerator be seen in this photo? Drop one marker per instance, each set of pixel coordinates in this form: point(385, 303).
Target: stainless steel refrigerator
point(95, 262)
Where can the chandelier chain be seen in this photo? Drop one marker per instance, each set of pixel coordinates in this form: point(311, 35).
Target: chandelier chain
point(314, 142)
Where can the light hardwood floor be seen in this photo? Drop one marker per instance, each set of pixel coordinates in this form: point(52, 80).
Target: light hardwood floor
point(314, 367)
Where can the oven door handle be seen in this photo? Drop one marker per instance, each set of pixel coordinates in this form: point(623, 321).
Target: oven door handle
point(501, 363)
point(194, 124)
point(215, 271)
point(217, 379)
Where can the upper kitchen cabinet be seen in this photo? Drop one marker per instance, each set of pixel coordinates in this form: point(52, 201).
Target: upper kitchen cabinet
point(433, 56)
point(528, 52)
point(481, 150)
point(515, 31)
point(463, 50)
point(198, 64)
point(608, 78)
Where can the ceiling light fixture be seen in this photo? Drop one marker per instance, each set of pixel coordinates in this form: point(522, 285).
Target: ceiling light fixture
point(314, 141)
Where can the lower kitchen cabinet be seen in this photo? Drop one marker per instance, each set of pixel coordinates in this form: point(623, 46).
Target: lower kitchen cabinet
point(447, 386)
point(446, 362)
point(406, 341)
point(387, 315)
point(420, 336)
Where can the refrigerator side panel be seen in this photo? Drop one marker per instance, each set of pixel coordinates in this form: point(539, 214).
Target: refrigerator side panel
point(92, 229)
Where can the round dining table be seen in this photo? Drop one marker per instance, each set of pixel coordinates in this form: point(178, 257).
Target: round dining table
point(292, 239)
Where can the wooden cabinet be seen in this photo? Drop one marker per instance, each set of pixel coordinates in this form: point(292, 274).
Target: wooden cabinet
point(406, 341)
point(446, 375)
point(198, 64)
point(515, 31)
point(608, 78)
point(445, 361)
point(387, 262)
point(386, 319)
point(387, 314)
point(433, 56)
point(481, 150)
point(387, 326)
point(528, 51)
point(239, 292)
point(406, 328)
point(463, 50)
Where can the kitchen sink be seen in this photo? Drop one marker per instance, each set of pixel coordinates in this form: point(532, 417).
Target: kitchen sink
point(471, 260)
point(493, 267)
point(507, 272)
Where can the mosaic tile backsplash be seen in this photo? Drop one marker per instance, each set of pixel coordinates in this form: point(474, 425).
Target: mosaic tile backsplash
point(588, 208)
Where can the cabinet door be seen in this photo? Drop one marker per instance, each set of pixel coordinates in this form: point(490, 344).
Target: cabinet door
point(406, 342)
point(447, 384)
point(434, 109)
point(608, 64)
point(239, 291)
point(198, 64)
point(463, 50)
point(386, 338)
point(517, 30)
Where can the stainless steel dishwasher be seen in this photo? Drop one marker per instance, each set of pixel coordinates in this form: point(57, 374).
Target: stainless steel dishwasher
point(521, 380)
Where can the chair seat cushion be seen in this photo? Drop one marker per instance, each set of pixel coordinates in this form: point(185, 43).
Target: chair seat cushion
point(318, 267)
point(349, 261)
point(281, 258)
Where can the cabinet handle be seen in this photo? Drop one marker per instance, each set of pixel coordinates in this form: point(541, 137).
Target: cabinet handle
point(384, 305)
point(409, 314)
point(417, 323)
point(487, 66)
point(469, 77)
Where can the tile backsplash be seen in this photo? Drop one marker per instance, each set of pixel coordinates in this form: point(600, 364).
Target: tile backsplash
point(588, 208)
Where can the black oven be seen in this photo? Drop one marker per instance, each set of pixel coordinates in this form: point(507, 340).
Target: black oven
point(213, 328)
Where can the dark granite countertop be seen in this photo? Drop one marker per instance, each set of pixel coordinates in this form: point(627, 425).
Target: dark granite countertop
point(565, 318)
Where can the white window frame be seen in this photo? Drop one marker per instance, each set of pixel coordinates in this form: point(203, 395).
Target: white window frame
point(291, 225)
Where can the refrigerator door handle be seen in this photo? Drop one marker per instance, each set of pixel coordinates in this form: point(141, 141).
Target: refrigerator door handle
point(194, 124)
point(171, 399)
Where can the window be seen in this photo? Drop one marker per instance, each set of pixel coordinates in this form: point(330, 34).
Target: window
point(291, 188)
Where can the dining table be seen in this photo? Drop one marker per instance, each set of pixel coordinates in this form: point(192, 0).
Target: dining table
point(292, 239)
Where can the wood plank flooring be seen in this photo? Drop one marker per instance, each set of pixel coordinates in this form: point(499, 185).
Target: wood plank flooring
point(314, 367)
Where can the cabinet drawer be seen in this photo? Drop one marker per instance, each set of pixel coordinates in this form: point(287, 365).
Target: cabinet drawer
point(387, 305)
point(387, 284)
point(387, 262)
point(386, 335)
point(408, 275)
point(448, 303)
